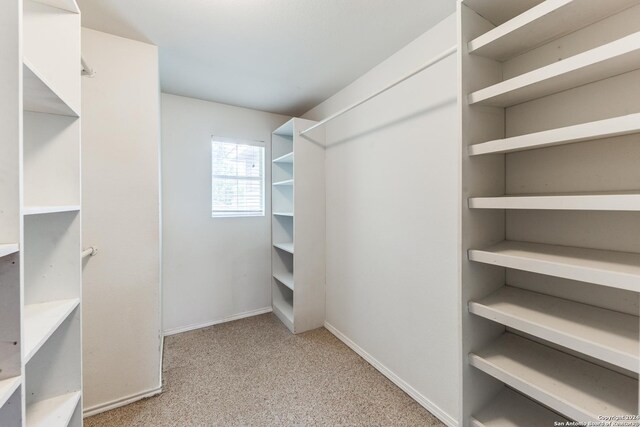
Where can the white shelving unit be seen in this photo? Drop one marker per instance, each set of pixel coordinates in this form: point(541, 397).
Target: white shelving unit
point(549, 114)
point(298, 221)
point(40, 264)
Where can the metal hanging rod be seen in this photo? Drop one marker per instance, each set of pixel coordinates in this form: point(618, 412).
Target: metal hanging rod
point(90, 251)
point(431, 62)
point(86, 70)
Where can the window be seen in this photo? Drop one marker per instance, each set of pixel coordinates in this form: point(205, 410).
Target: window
point(237, 178)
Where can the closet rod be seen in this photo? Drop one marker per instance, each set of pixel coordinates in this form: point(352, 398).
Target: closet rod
point(90, 251)
point(431, 62)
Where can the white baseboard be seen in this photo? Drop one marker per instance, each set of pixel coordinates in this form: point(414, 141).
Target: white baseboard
point(238, 316)
point(415, 395)
point(103, 407)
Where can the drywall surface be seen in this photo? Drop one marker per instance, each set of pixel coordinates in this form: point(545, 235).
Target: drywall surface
point(121, 217)
point(213, 268)
point(392, 221)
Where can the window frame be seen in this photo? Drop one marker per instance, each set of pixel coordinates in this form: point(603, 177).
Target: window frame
point(262, 178)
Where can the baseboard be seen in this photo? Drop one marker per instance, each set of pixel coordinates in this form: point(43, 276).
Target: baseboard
point(415, 395)
point(239, 316)
point(103, 407)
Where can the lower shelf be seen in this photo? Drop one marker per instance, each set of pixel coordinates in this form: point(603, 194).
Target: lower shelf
point(511, 409)
point(287, 247)
point(574, 387)
point(42, 320)
point(54, 412)
point(7, 387)
point(284, 311)
point(285, 278)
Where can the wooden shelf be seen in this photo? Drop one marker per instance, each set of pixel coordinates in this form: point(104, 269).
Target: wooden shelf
point(8, 249)
point(40, 210)
point(541, 24)
point(608, 268)
point(42, 320)
point(607, 335)
point(7, 387)
point(574, 387)
point(285, 278)
point(611, 59)
point(511, 409)
point(54, 412)
point(284, 311)
point(287, 158)
point(40, 97)
point(287, 247)
point(286, 182)
point(289, 214)
point(581, 202)
point(617, 126)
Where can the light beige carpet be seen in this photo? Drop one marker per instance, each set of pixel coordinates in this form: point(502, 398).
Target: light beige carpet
point(253, 372)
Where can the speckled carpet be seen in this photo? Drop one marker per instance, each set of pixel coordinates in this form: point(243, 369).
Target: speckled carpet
point(253, 372)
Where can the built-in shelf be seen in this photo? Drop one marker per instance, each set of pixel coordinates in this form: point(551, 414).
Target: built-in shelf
point(579, 202)
point(607, 335)
point(541, 24)
point(285, 278)
point(7, 387)
point(40, 210)
point(511, 409)
point(8, 249)
point(40, 97)
point(611, 59)
point(285, 182)
point(608, 268)
point(54, 412)
point(284, 311)
point(42, 320)
point(287, 158)
point(290, 214)
point(608, 128)
point(68, 5)
point(574, 387)
point(287, 247)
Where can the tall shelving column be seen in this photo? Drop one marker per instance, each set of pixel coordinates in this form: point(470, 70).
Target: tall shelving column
point(298, 224)
point(550, 195)
point(51, 235)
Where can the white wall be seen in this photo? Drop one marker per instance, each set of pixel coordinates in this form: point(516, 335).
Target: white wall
point(392, 221)
point(120, 210)
point(213, 268)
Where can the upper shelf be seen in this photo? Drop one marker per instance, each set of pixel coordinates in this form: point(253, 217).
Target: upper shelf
point(42, 320)
point(604, 334)
point(68, 5)
point(511, 409)
point(285, 130)
point(582, 202)
point(40, 210)
point(607, 128)
point(8, 249)
point(541, 24)
point(611, 59)
point(574, 387)
point(40, 97)
point(287, 158)
point(287, 247)
point(608, 268)
point(285, 182)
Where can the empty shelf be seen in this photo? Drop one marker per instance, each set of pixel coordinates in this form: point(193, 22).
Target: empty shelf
point(511, 409)
point(611, 59)
point(541, 24)
point(604, 334)
point(68, 5)
point(607, 128)
point(54, 412)
point(42, 320)
point(39, 210)
point(7, 387)
point(8, 249)
point(287, 158)
point(608, 268)
point(584, 202)
point(283, 214)
point(574, 387)
point(285, 278)
point(40, 97)
point(284, 311)
point(286, 182)
point(287, 247)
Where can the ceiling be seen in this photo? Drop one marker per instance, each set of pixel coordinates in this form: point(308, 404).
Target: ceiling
point(282, 56)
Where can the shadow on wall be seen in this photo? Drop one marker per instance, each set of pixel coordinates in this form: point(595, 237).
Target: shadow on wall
point(394, 122)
